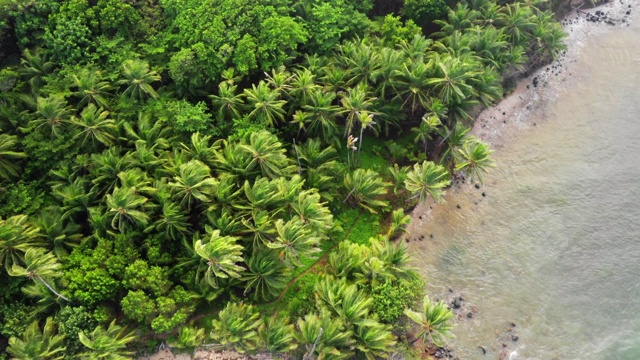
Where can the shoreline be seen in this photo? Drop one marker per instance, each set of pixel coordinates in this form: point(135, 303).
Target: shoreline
point(499, 126)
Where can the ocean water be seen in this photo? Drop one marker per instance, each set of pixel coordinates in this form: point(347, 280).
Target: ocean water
point(554, 246)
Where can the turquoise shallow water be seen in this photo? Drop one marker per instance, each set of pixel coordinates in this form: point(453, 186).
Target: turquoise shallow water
point(555, 245)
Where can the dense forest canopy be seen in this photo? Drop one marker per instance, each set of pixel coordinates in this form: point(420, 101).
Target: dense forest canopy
point(236, 172)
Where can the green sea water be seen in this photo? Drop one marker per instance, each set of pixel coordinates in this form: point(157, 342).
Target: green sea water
point(554, 246)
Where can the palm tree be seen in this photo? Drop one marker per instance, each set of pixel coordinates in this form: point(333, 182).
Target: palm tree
point(321, 115)
point(549, 37)
point(154, 132)
point(361, 59)
point(106, 166)
point(517, 22)
point(434, 321)
point(264, 104)
point(294, 240)
point(91, 88)
point(454, 140)
point(277, 335)
point(390, 60)
point(138, 78)
point(373, 340)
point(365, 187)
point(460, 18)
point(366, 121)
point(398, 223)
point(35, 65)
point(38, 344)
point(51, 115)
point(427, 179)
point(354, 101)
point(74, 197)
point(236, 327)
point(17, 235)
point(107, 344)
point(194, 183)
point(9, 168)
point(474, 159)
point(347, 260)
point(39, 265)
point(416, 49)
point(61, 234)
point(266, 275)
point(451, 79)
point(279, 80)
point(95, 126)
point(324, 337)
point(312, 211)
point(172, 222)
point(189, 337)
point(227, 103)
point(218, 257)
point(303, 86)
point(396, 258)
point(267, 153)
point(126, 209)
point(413, 86)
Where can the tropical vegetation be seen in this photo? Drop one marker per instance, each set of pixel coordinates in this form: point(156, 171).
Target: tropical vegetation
point(237, 173)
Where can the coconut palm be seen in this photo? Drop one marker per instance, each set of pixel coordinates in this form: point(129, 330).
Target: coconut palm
point(9, 168)
point(200, 148)
point(365, 119)
point(517, 21)
point(396, 258)
point(451, 79)
point(361, 59)
point(279, 79)
point(126, 209)
point(311, 211)
point(17, 235)
point(34, 65)
point(434, 321)
point(227, 103)
point(354, 101)
point(189, 338)
point(277, 335)
point(294, 240)
point(390, 61)
point(235, 161)
point(398, 223)
point(40, 266)
point(138, 79)
point(347, 260)
point(91, 89)
point(549, 37)
point(416, 49)
point(237, 327)
point(218, 257)
point(173, 223)
point(62, 235)
point(194, 184)
point(36, 343)
point(427, 179)
point(460, 18)
point(335, 77)
point(373, 340)
point(266, 275)
point(365, 188)
point(320, 115)
point(413, 86)
point(454, 139)
point(303, 85)
point(74, 197)
point(267, 154)
point(262, 195)
point(107, 344)
point(94, 125)
point(106, 166)
point(154, 132)
point(51, 115)
point(324, 337)
point(264, 103)
point(474, 159)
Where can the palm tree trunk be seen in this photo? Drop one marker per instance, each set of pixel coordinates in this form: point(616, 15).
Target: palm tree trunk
point(52, 290)
point(313, 348)
point(360, 147)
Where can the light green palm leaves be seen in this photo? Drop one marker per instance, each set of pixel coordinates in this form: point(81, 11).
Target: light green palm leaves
point(36, 343)
point(9, 168)
point(474, 159)
point(126, 209)
point(366, 188)
point(434, 321)
point(277, 335)
point(17, 235)
point(94, 125)
point(193, 184)
point(138, 79)
point(427, 179)
point(293, 241)
point(237, 327)
point(39, 265)
point(107, 344)
point(219, 256)
point(266, 275)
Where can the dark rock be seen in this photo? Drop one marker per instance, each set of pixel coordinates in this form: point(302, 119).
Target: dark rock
point(484, 194)
point(513, 324)
point(469, 315)
point(514, 338)
point(431, 236)
point(456, 304)
point(477, 186)
point(484, 351)
point(458, 206)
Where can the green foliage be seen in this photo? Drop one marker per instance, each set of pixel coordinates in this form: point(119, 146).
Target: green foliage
point(391, 298)
point(187, 117)
point(434, 320)
point(72, 320)
point(109, 343)
point(237, 327)
point(423, 12)
point(21, 198)
point(38, 343)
